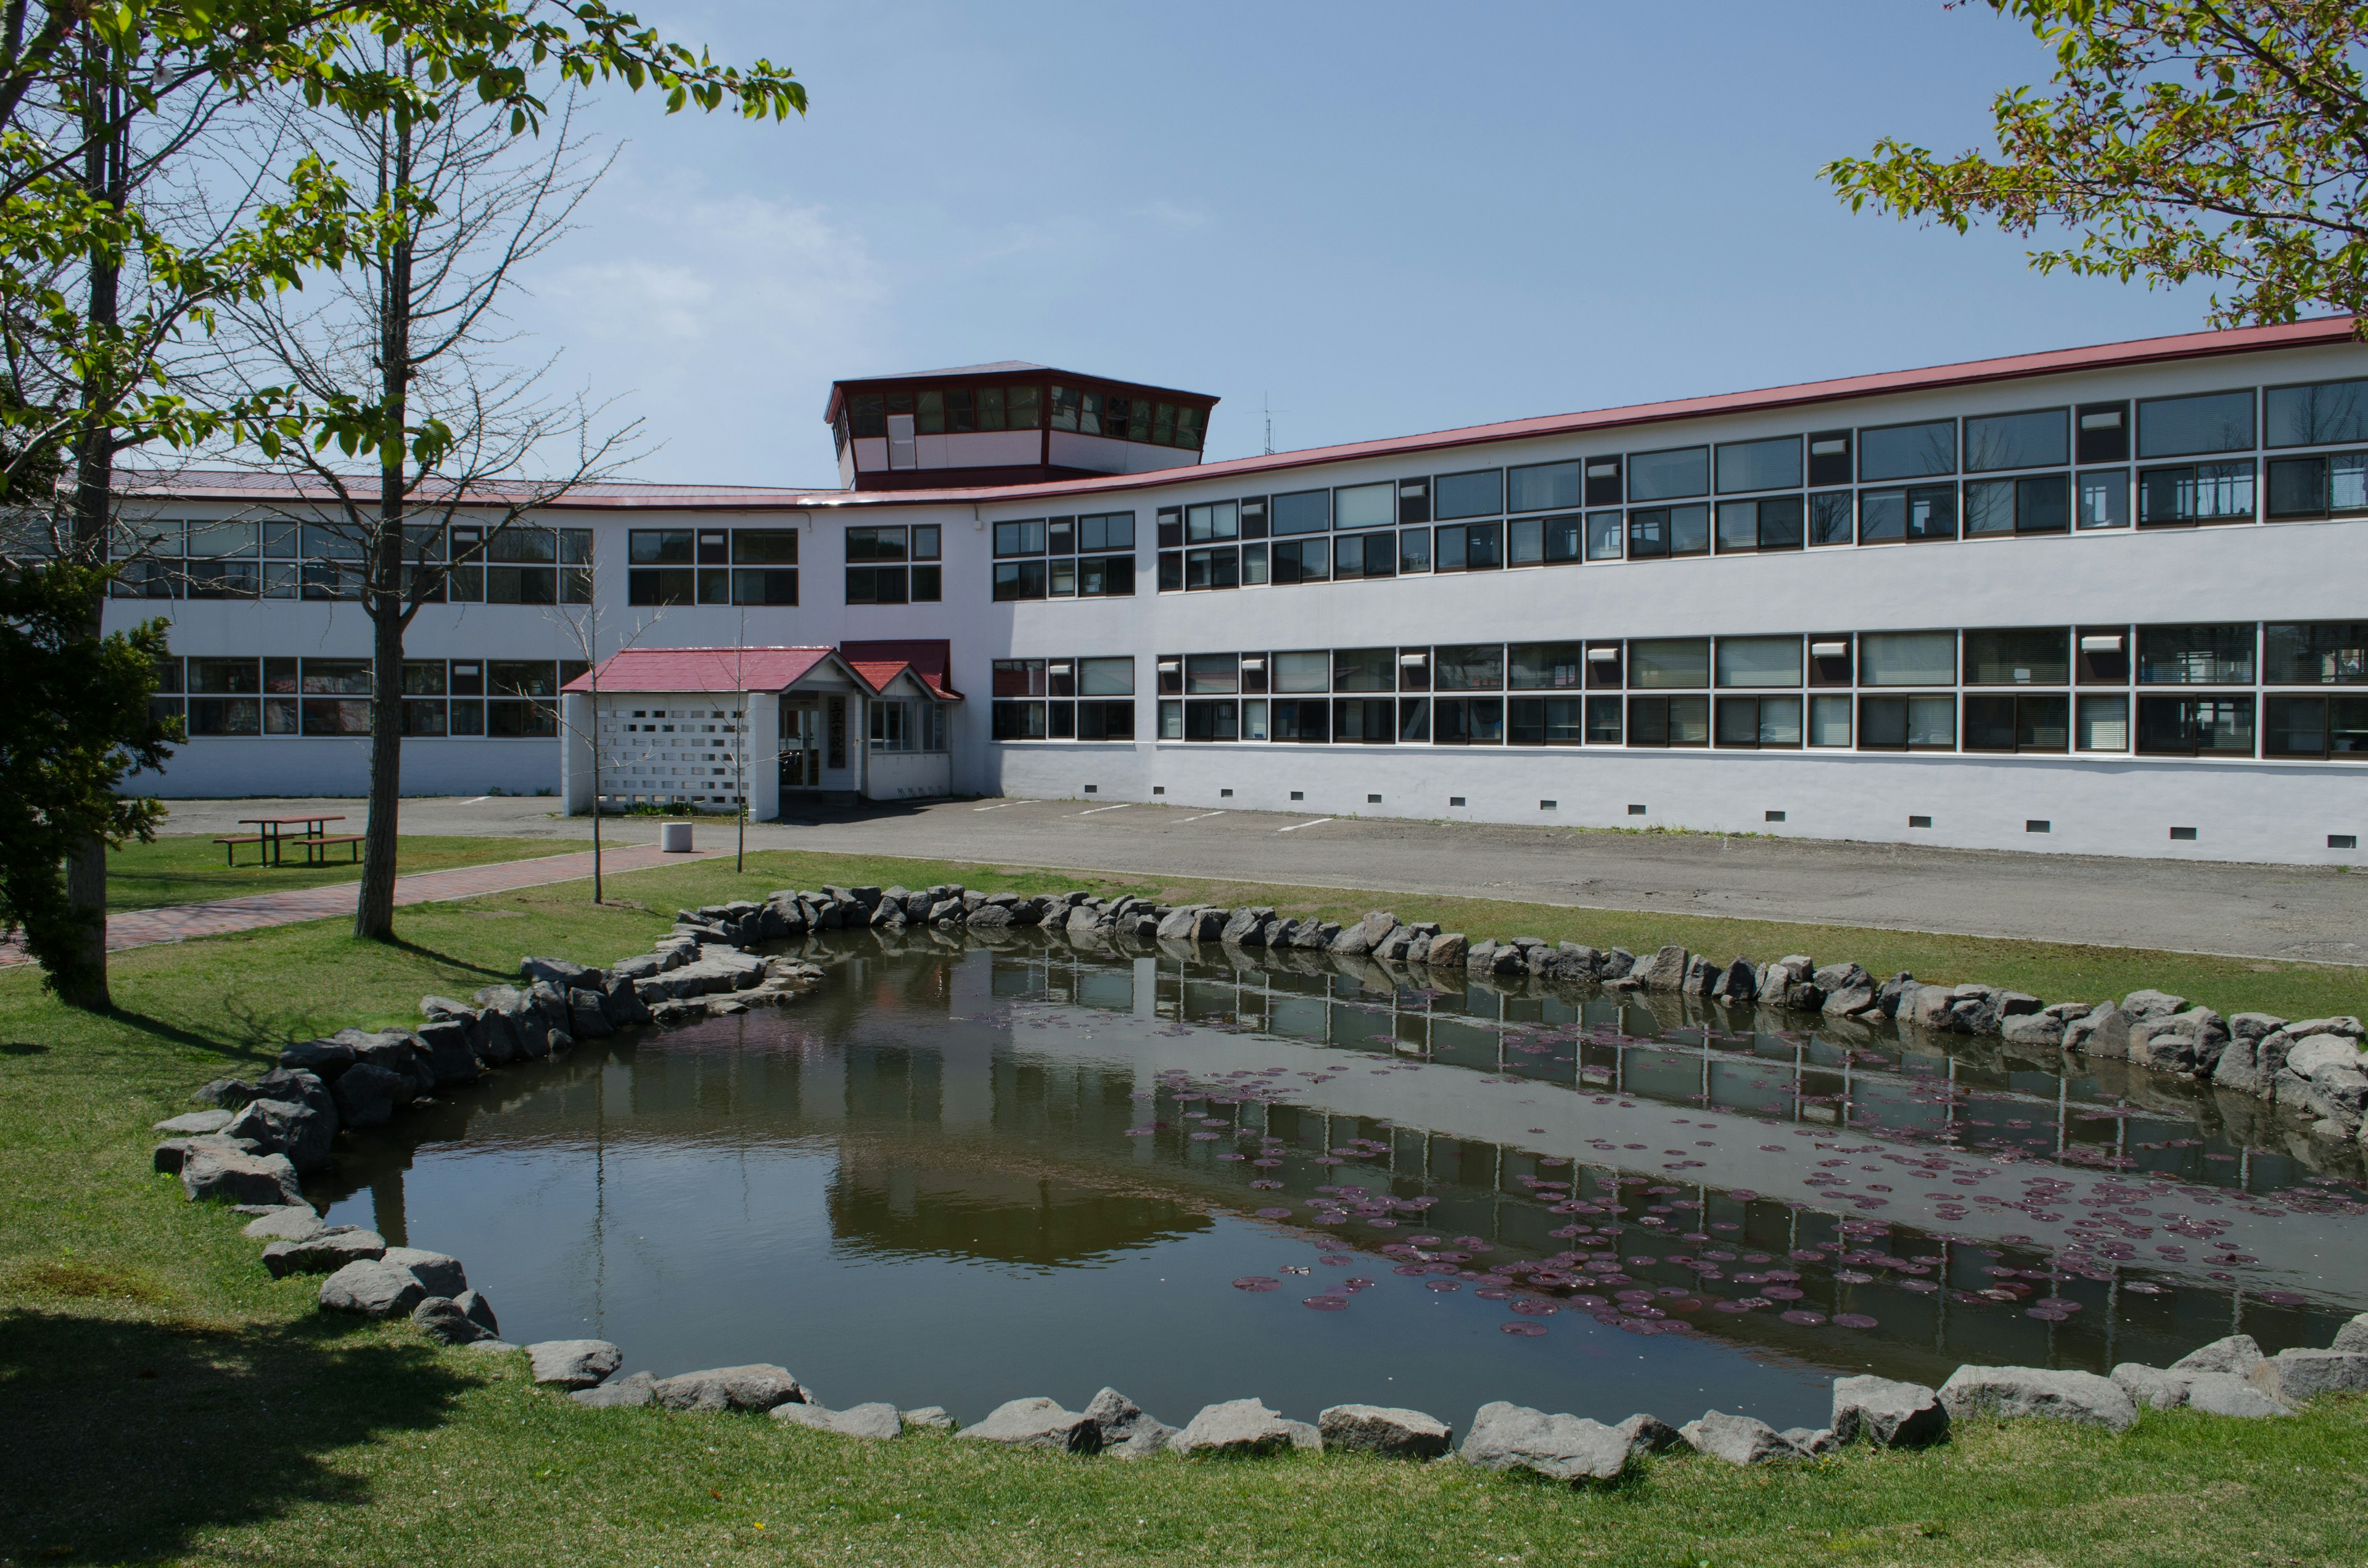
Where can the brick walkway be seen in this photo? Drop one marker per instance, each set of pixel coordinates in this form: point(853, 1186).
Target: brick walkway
point(175, 922)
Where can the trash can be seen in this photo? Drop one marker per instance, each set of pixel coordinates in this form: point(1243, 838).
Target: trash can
point(674, 837)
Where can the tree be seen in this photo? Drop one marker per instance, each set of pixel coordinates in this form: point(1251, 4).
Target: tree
point(99, 97)
point(411, 328)
point(2225, 139)
point(582, 624)
point(76, 722)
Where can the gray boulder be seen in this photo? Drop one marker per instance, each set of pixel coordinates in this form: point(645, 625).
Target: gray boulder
point(283, 1127)
point(478, 1311)
point(588, 1015)
point(169, 1156)
point(446, 1322)
point(1888, 1411)
point(1811, 1441)
point(1649, 1435)
point(1366, 934)
point(927, 1419)
point(294, 1222)
point(628, 1393)
point(450, 1058)
point(367, 1094)
point(563, 972)
point(1037, 1424)
point(2144, 1005)
point(322, 1253)
point(195, 1123)
point(1447, 950)
point(442, 1275)
point(1665, 970)
point(754, 1388)
point(2354, 1335)
point(1561, 1448)
point(1243, 927)
point(1737, 1439)
point(2292, 1376)
point(1841, 978)
point(878, 1422)
point(2238, 1353)
point(574, 1363)
point(2187, 1042)
point(2225, 1393)
point(2007, 1392)
point(2105, 1033)
point(1384, 1429)
point(1618, 964)
point(327, 1059)
point(1235, 1427)
point(2045, 1026)
point(1127, 1430)
point(374, 1288)
point(2151, 1388)
point(222, 1174)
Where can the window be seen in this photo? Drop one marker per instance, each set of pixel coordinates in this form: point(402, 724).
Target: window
point(1467, 720)
point(1544, 721)
point(1668, 662)
point(1470, 667)
point(1365, 721)
point(2100, 656)
point(2102, 433)
point(875, 571)
point(1414, 721)
point(1759, 465)
point(280, 699)
point(1924, 512)
point(1829, 660)
point(224, 697)
point(1668, 721)
point(1546, 666)
point(1306, 721)
point(1106, 677)
point(1365, 555)
point(1106, 721)
point(2016, 721)
point(1213, 568)
point(1365, 669)
point(2331, 485)
point(1542, 487)
point(1017, 707)
point(1255, 672)
point(2218, 725)
point(1760, 723)
point(2195, 656)
point(1759, 661)
point(1208, 674)
point(1414, 551)
point(1469, 547)
point(1907, 723)
point(2318, 415)
point(1775, 523)
point(1365, 506)
point(1830, 518)
point(523, 699)
point(2317, 726)
point(1302, 512)
point(1298, 561)
point(658, 566)
point(1829, 721)
point(2041, 503)
point(2325, 653)
point(1907, 658)
point(1480, 494)
point(763, 563)
point(1602, 482)
point(1020, 580)
point(574, 566)
point(906, 726)
point(2038, 440)
point(1669, 530)
point(1213, 722)
point(1560, 538)
point(1606, 534)
point(2206, 422)
point(1414, 669)
point(1829, 458)
point(1302, 672)
point(2032, 656)
point(1908, 451)
point(2104, 722)
point(1414, 501)
point(2105, 499)
point(2196, 493)
point(336, 697)
point(1668, 476)
point(1023, 538)
point(1604, 665)
point(1603, 726)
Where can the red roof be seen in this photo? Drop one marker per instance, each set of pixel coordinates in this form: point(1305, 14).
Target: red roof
point(218, 486)
point(929, 658)
point(703, 669)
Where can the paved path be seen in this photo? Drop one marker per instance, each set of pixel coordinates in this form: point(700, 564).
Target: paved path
point(2282, 912)
point(179, 922)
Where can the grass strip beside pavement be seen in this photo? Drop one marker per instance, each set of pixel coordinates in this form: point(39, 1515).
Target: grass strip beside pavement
point(188, 869)
point(163, 1399)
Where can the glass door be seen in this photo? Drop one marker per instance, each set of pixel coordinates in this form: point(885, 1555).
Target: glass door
point(802, 740)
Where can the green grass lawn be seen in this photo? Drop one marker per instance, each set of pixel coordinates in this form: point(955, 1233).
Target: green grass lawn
point(162, 1400)
point(189, 868)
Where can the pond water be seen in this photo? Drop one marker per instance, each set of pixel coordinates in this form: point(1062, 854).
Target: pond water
point(962, 1174)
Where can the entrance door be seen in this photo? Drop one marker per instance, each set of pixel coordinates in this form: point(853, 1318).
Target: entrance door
point(802, 742)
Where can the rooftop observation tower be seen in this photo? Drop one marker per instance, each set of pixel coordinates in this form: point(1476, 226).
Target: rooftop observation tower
point(1011, 423)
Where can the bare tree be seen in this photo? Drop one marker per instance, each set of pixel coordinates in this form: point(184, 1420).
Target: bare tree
point(414, 332)
point(583, 625)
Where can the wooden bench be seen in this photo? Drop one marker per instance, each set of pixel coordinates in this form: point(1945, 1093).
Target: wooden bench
point(317, 844)
point(230, 846)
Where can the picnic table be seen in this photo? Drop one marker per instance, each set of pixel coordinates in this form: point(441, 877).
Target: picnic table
point(274, 834)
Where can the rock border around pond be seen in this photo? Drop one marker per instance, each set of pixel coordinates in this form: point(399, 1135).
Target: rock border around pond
point(252, 1146)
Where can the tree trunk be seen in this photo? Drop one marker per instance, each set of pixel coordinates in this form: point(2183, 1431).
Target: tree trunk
point(374, 907)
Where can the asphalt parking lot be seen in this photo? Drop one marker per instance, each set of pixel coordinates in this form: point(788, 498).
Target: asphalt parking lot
point(2276, 912)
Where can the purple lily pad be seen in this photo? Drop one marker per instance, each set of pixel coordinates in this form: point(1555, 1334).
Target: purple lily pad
point(1853, 1320)
point(1257, 1282)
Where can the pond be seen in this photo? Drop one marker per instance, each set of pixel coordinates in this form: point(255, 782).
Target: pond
point(960, 1174)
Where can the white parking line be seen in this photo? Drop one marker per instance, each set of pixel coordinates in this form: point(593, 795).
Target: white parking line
point(1120, 807)
point(1204, 816)
point(1294, 827)
point(1000, 804)
point(473, 802)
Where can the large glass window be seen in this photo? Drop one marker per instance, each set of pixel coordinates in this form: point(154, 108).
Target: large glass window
point(1661, 531)
point(1020, 580)
point(1830, 519)
point(1760, 723)
point(1478, 666)
point(1467, 720)
point(1106, 677)
point(2103, 723)
point(2022, 657)
point(2037, 503)
point(1025, 536)
point(1923, 511)
point(2323, 653)
point(1669, 721)
point(1759, 465)
point(2038, 440)
point(1018, 707)
point(1302, 512)
point(2195, 656)
point(2105, 498)
point(1302, 561)
point(1414, 551)
point(1302, 672)
point(1606, 536)
point(2018, 721)
point(1304, 720)
point(1774, 522)
point(1537, 667)
point(2196, 493)
point(2206, 422)
point(1668, 476)
point(2317, 726)
point(1671, 661)
point(1480, 494)
point(1829, 720)
point(1468, 547)
point(1907, 723)
point(1365, 555)
point(1365, 506)
point(2330, 485)
point(1542, 487)
point(1544, 721)
point(2318, 415)
point(1907, 658)
point(1365, 669)
point(1908, 451)
point(1365, 721)
point(1759, 661)
point(2217, 725)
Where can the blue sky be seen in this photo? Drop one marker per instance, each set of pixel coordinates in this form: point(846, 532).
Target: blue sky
point(1383, 218)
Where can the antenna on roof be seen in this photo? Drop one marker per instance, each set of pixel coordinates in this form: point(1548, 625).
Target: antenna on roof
point(1265, 400)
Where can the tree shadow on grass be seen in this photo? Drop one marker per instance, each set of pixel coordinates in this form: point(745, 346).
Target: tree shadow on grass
point(437, 955)
point(123, 1440)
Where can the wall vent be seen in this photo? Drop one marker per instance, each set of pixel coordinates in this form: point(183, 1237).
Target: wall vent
point(1159, 789)
point(1919, 821)
point(2182, 834)
point(1093, 789)
point(1454, 799)
point(2343, 841)
point(1224, 794)
point(1372, 799)
point(1774, 816)
point(1548, 806)
point(2038, 824)
point(1635, 810)
point(1299, 794)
